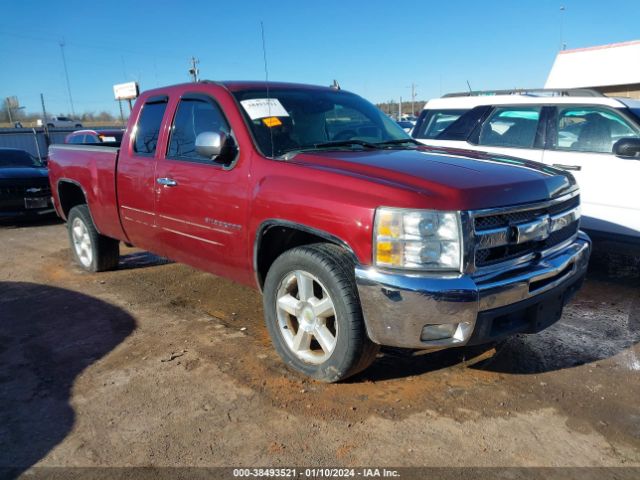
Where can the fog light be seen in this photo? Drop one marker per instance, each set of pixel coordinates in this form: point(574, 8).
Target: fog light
point(438, 332)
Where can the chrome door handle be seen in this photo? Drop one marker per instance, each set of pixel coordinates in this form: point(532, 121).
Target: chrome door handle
point(567, 167)
point(167, 182)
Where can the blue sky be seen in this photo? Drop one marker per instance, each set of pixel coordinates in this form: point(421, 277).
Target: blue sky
point(374, 48)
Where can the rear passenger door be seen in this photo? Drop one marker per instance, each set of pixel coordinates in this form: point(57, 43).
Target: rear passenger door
point(581, 140)
point(511, 130)
point(136, 177)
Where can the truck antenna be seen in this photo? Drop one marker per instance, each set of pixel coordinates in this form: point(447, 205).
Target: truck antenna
point(266, 81)
point(469, 85)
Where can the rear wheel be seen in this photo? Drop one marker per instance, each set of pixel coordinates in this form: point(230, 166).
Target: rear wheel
point(92, 251)
point(313, 313)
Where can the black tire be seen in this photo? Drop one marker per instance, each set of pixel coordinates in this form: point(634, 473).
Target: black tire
point(104, 251)
point(50, 125)
point(333, 267)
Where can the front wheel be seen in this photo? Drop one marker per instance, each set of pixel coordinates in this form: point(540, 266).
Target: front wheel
point(92, 251)
point(313, 313)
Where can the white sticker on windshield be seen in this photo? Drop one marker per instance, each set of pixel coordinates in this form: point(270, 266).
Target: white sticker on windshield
point(264, 107)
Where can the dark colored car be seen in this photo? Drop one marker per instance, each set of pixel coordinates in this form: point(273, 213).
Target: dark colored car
point(24, 185)
point(110, 136)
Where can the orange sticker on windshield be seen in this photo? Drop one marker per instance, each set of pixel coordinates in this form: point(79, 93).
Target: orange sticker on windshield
point(272, 122)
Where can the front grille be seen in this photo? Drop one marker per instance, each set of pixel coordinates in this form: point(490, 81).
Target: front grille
point(14, 192)
point(505, 225)
point(505, 219)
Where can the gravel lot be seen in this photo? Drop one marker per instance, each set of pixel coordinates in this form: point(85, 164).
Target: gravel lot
point(160, 364)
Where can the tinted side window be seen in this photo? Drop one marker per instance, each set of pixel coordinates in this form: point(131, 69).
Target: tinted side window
point(464, 128)
point(148, 128)
point(437, 121)
point(76, 139)
point(511, 127)
point(90, 139)
point(591, 129)
point(193, 117)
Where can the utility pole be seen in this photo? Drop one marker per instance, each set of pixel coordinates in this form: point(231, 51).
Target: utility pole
point(13, 107)
point(413, 98)
point(44, 110)
point(400, 110)
point(44, 115)
point(563, 46)
point(194, 71)
point(66, 74)
point(121, 113)
point(44, 121)
point(8, 103)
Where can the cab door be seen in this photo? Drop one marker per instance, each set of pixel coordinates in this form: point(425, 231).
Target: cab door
point(581, 141)
point(136, 175)
point(201, 203)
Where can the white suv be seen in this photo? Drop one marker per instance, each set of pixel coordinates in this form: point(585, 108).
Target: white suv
point(596, 138)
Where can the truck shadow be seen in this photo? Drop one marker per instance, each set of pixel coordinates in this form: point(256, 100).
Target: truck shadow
point(48, 336)
point(602, 321)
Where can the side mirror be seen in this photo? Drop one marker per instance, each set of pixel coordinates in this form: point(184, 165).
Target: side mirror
point(627, 148)
point(211, 144)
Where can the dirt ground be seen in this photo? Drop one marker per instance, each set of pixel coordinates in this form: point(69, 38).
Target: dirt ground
point(160, 364)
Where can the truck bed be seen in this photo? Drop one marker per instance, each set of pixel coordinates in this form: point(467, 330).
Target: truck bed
point(89, 166)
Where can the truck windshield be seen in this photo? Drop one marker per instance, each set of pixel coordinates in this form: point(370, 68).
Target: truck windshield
point(17, 158)
point(300, 119)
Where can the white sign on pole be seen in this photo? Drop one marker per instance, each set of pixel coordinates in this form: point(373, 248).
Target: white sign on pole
point(126, 91)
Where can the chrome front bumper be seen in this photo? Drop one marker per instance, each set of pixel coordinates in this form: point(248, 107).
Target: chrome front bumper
point(397, 306)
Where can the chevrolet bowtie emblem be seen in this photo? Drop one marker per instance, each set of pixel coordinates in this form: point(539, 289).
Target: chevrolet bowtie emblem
point(535, 231)
point(33, 190)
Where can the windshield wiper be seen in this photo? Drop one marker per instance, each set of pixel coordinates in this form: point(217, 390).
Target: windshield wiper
point(399, 141)
point(346, 143)
point(288, 155)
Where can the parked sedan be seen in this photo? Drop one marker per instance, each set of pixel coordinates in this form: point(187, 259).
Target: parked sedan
point(95, 136)
point(24, 185)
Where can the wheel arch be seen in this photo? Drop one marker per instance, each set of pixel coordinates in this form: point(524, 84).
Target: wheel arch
point(275, 236)
point(71, 194)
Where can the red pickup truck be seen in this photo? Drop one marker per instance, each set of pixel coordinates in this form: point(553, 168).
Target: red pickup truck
point(356, 235)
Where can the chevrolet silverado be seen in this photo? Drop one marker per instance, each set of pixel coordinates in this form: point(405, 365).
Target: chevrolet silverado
point(356, 235)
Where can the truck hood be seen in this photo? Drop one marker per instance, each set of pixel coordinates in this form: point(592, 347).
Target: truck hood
point(7, 173)
point(453, 178)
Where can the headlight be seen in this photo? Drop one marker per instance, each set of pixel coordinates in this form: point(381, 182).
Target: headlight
point(417, 239)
